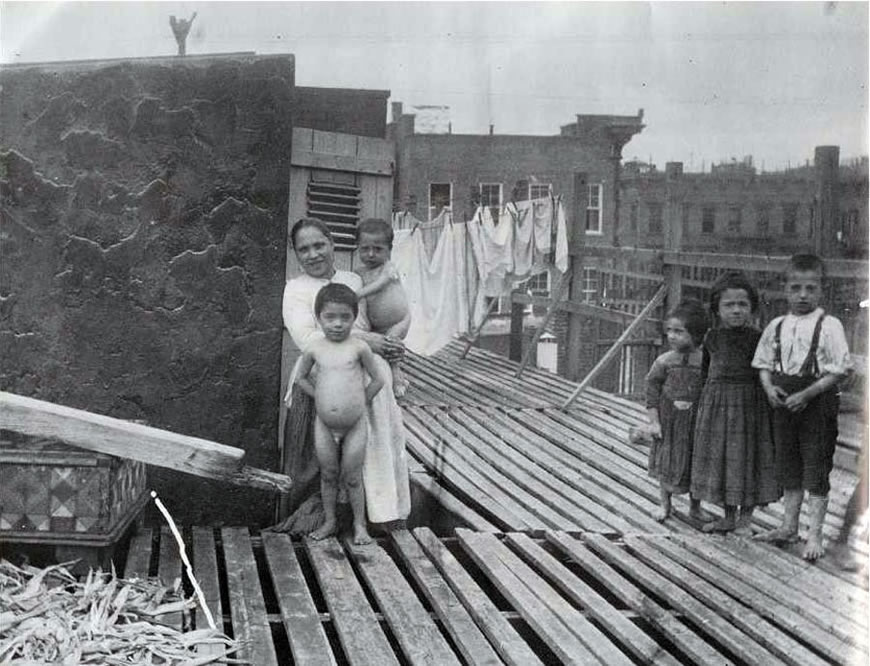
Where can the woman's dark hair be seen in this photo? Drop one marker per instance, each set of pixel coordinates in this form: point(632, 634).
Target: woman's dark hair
point(694, 317)
point(732, 280)
point(309, 222)
point(375, 225)
point(335, 292)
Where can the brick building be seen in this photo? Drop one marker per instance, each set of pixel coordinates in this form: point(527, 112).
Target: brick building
point(734, 208)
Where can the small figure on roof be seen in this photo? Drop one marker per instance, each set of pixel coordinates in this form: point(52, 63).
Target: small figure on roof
point(180, 28)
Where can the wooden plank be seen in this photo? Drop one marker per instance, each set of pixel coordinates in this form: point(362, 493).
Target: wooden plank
point(611, 353)
point(125, 439)
point(308, 641)
point(687, 641)
point(587, 309)
point(504, 638)
point(139, 555)
point(512, 514)
point(449, 502)
point(205, 568)
point(732, 609)
point(784, 593)
point(334, 162)
point(361, 637)
point(592, 637)
point(758, 599)
point(724, 632)
point(549, 627)
point(419, 638)
point(469, 639)
point(247, 607)
point(558, 293)
point(527, 490)
point(169, 572)
point(627, 632)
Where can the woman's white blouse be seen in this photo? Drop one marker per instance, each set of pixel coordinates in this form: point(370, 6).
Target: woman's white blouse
point(298, 306)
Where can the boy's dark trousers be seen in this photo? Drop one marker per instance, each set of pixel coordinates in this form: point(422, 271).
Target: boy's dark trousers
point(805, 441)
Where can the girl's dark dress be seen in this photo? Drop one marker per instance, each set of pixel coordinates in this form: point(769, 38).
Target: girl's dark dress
point(673, 386)
point(733, 461)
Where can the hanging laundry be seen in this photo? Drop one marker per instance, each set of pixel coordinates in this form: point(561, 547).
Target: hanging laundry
point(437, 288)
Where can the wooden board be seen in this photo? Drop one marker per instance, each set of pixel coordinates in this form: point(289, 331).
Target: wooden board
point(247, 607)
point(361, 637)
point(205, 568)
point(308, 641)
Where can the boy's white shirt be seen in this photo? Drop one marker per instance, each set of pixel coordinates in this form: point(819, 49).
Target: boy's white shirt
point(796, 336)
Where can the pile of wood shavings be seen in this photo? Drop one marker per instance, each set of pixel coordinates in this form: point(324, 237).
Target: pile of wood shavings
point(48, 616)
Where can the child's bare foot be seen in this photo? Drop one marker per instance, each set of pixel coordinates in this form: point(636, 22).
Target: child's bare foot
point(662, 514)
point(814, 547)
point(361, 536)
point(697, 513)
point(724, 524)
point(778, 535)
point(325, 530)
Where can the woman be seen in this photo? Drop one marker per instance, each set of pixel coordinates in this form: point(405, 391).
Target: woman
point(385, 470)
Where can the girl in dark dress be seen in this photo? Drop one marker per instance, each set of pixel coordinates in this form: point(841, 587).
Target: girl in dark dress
point(673, 387)
point(733, 465)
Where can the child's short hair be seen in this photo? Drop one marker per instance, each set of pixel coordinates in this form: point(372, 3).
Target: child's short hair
point(732, 280)
point(694, 317)
point(375, 225)
point(805, 263)
point(335, 292)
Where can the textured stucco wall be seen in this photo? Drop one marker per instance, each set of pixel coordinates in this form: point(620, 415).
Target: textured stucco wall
point(142, 246)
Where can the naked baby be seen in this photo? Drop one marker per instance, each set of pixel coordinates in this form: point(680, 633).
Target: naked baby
point(337, 384)
point(386, 302)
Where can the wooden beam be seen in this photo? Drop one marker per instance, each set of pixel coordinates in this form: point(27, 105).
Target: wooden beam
point(124, 439)
point(473, 335)
point(611, 353)
point(558, 292)
point(575, 307)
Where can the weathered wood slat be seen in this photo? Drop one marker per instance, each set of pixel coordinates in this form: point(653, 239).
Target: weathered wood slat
point(696, 649)
point(549, 627)
point(494, 465)
point(419, 638)
point(594, 494)
point(592, 637)
point(732, 638)
point(247, 607)
point(169, 571)
point(124, 439)
point(361, 637)
point(139, 555)
point(757, 599)
point(205, 568)
point(785, 594)
point(725, 606)
point(630, 636)
point(441, 461)
point(448, 502)
point(504, 638)
point(469, 640)
point(308, 641)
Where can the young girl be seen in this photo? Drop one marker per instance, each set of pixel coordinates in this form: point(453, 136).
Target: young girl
point(673, 386)
point(733, 464)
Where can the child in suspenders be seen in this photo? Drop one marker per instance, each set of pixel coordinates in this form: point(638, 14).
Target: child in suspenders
point(801, 357)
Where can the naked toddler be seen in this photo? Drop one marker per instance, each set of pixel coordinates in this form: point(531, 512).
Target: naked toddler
point(340, 397)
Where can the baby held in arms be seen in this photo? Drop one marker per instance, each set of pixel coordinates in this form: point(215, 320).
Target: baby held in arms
point(341, 395)
point(386, 302)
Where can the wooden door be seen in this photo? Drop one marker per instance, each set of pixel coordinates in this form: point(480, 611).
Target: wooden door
point(340, 179)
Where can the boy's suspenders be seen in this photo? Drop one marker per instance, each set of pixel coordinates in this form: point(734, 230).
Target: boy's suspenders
point(810, 367)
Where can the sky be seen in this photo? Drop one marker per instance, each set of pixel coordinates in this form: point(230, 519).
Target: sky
point(716, 80)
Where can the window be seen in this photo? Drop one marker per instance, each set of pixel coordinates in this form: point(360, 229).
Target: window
point(708, 220)
point(655, 218)
point(632, 217)
point(593, 208)
point(762, 219)
point(734, 219)
point(539, 190)
point(440, 197)
point(789, 218)
point(490, 195)
point(539, 284)
point(590, 285)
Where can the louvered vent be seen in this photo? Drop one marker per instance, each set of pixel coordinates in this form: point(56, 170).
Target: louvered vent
point(337, 205)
